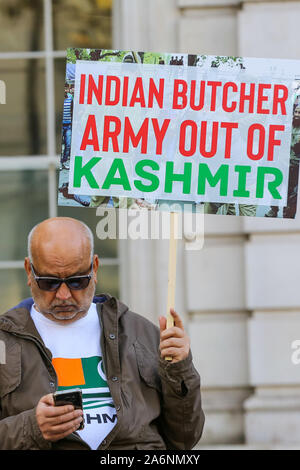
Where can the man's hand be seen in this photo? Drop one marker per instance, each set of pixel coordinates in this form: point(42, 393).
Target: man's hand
point(174, 342)
point(56, 422)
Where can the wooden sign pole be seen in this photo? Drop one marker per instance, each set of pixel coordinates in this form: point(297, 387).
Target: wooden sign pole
point(172, 269)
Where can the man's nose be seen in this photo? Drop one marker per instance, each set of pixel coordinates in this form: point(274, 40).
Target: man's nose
point(63, 293)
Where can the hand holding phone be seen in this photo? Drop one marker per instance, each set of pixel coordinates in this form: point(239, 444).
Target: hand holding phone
point(57, 422)
point(70, 397)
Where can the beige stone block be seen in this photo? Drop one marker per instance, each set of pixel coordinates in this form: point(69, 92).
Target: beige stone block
point(222, 225)
point(206, 3)
point(269, 29)
point(272, 272)
point(223, 427)
point(215, 276)
point(219, 347)
point(273, 419)
point(268, 225)
point(208, 32)
point(271, 349)
point(144, 25)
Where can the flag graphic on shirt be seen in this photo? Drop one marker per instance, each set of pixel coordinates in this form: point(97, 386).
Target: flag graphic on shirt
point(86, 373)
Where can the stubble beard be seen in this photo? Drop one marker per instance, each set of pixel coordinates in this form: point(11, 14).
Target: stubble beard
point(69, 316)
point(55, 314)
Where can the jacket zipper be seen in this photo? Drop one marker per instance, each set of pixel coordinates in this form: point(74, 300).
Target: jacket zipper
point(102, 345)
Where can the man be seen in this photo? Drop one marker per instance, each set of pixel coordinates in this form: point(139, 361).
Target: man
point(65, 337)
point(67, 127)
point(238, 209)
point(81, 199)
point(230, 209)
point(290, 209)
point(117, 202)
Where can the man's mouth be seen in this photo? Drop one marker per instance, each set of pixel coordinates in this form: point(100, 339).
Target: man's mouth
point(61, 317)
point(64, 308)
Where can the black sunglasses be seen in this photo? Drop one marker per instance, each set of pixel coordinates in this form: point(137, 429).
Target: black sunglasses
point(54, 283)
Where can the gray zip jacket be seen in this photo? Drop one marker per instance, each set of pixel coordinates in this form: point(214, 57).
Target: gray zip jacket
point(158, 403)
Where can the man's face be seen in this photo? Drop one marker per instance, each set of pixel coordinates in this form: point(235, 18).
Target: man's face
point(63, 305)
point(296, 117)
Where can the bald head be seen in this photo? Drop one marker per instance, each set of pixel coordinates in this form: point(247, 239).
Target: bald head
point(59, 236)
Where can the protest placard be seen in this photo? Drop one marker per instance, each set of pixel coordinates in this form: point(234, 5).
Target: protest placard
point(217, 131)
point(201, 130)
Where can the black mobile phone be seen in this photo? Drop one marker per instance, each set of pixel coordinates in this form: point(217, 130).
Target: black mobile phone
point(73, 396)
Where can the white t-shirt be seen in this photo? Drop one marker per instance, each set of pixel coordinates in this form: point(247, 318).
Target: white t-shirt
point(77, 359)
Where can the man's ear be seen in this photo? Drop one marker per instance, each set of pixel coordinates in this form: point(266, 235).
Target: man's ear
point(95, 267)
point(28, 270)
